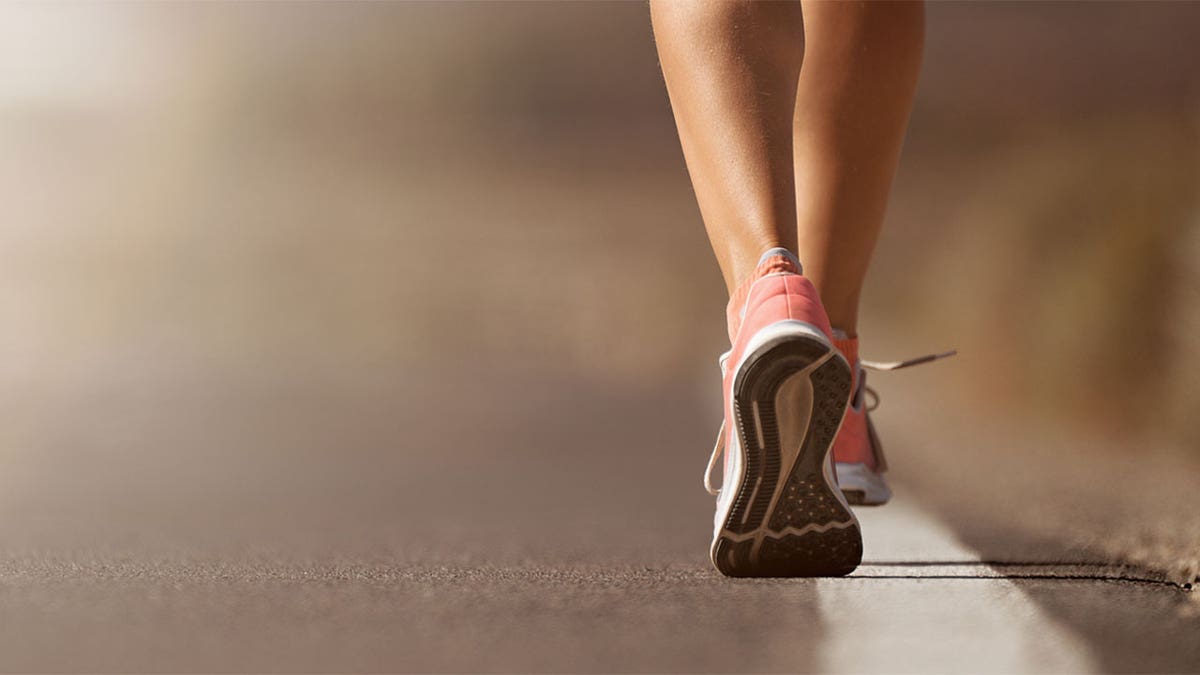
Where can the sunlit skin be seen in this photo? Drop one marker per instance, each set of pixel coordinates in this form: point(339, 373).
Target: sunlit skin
point(792, 116)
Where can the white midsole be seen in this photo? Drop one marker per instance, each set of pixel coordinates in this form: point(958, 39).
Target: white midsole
point(858, 477)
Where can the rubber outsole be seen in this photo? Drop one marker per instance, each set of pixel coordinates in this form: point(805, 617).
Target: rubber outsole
point(856, 498)
point(798, 524)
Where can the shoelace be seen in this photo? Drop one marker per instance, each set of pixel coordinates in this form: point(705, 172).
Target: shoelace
point(719, 446)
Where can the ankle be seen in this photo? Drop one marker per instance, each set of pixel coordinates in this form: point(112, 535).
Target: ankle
point(776, 260)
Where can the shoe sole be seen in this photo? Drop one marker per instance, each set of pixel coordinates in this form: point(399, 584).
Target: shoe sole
point(788, 518)
point(861, 486)
point(858, 498)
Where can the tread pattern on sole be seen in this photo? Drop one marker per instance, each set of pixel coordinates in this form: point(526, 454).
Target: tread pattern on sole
point(809, 532)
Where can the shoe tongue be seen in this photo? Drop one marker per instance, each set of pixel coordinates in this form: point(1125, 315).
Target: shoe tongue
point(773, 261)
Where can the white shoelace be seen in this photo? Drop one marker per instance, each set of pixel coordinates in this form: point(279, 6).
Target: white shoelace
point(719, 446)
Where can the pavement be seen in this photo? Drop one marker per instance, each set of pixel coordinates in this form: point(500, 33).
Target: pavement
point(315, 525)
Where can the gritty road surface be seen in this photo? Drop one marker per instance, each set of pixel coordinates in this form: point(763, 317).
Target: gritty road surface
point(286, 527)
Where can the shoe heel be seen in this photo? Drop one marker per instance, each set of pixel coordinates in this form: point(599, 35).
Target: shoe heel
point(788, 518)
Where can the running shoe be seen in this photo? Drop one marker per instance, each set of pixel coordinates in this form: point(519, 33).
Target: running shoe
point(779, 510)
point(857, 453)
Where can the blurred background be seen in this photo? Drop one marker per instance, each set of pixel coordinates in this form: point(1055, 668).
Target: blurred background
point(335, 269)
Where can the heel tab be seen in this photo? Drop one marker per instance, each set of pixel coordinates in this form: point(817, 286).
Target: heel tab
point(780, 252)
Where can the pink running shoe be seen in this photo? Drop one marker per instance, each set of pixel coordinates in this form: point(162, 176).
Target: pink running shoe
point(779, 510)
point(857, 453)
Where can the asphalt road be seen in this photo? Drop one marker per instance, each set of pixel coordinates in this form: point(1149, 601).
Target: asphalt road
point(286, 526)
